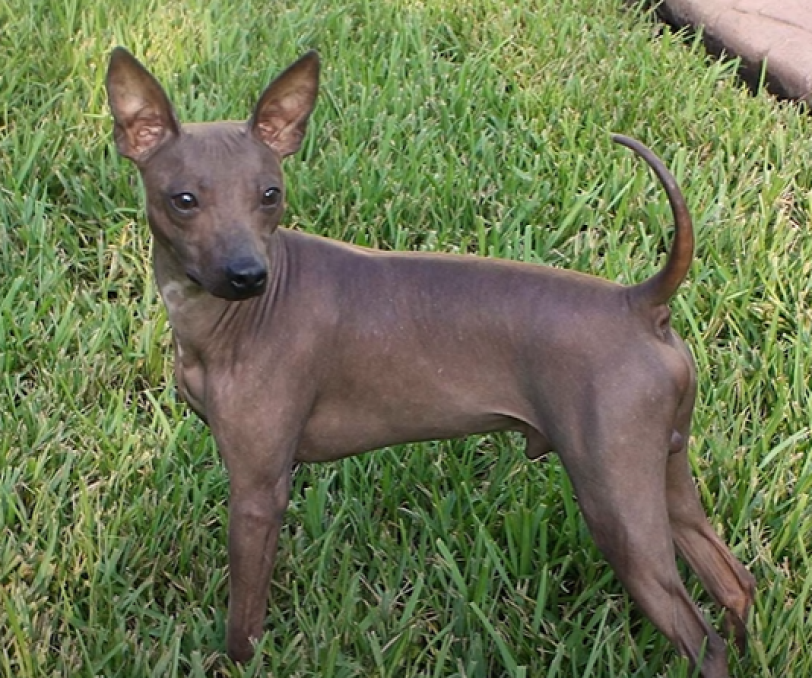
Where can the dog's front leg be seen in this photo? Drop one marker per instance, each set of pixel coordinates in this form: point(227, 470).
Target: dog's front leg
point(255, 517)
point(259, 467)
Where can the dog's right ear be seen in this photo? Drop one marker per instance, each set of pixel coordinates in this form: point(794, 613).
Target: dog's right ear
point(280, 118)
point(144, 118)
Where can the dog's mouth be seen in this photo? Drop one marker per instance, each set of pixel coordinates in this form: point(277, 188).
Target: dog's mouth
point(229, 290)
point(241, 295)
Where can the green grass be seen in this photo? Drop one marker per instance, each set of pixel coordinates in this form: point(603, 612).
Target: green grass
point(478, 126)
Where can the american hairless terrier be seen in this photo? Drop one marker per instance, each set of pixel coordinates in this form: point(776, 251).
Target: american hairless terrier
point(296, 348)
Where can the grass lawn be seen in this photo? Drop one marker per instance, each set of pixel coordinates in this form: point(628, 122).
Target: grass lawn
point(450, 125)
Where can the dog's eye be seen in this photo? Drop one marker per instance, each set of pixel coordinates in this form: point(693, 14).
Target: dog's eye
point(183, 202)
point(271, 197)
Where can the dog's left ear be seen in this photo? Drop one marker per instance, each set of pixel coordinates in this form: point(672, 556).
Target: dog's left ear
point(280, 118)
point(144, 117)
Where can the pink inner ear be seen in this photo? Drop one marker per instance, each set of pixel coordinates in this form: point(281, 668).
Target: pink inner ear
point(285, 139)
point(147, 136)
point(268, 131)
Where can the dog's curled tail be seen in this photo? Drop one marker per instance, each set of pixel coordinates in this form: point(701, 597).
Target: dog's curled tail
point(658, 289)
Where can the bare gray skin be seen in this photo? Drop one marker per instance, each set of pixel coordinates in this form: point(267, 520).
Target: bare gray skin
point(296, 348)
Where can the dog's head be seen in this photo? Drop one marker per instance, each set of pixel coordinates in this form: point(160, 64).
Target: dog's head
point(214, 191)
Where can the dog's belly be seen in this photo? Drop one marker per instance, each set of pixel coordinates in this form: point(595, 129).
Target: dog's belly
point(343, 432)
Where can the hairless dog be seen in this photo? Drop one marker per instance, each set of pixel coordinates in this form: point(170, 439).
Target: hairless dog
point(296, 348)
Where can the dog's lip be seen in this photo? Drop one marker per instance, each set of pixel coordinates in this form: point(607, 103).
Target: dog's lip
point(226, 293)
point(239, 296)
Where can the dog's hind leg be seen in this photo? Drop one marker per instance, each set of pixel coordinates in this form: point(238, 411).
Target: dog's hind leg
point(722, 575)
point(620, 486)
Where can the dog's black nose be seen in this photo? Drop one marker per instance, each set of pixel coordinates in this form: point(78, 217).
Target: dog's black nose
point(246, 276)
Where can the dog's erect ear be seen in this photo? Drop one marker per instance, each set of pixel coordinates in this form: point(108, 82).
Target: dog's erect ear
point(144, 118)
point(280, 118)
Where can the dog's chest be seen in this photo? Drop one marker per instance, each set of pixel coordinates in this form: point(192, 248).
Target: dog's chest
point(181, 301)
point(189, 379)
point(177, 298)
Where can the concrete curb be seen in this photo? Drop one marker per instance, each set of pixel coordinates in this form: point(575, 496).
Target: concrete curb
point(775, 32)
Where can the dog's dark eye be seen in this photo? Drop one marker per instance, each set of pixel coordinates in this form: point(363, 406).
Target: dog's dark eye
point(183, 202)
point(271, 197)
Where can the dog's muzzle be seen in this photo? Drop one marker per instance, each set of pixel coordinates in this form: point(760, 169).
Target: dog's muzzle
point(247, 277)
